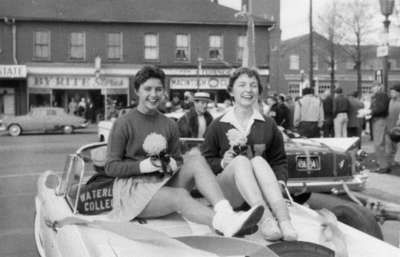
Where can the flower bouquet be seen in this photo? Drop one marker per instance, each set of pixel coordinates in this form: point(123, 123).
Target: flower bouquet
point(155, 145)
point(237, 141)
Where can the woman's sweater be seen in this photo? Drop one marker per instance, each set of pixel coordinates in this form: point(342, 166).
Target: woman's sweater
point(125, 151)
point(264, 136)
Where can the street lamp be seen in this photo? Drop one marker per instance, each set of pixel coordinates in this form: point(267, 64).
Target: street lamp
point(386, 10)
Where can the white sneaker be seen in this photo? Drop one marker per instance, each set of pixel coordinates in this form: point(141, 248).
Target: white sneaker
point(235, 223)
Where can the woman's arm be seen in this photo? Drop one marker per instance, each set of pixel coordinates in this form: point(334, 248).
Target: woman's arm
point(276, 155)
point(210, 147)
point(116, 164)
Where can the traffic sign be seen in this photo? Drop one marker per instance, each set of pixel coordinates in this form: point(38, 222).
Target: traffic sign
point(382, 51)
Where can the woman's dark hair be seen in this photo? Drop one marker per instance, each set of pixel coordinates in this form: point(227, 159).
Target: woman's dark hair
point(148, 72)
point(249, 72)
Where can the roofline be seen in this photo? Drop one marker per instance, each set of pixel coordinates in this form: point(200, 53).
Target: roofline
point(227, 23)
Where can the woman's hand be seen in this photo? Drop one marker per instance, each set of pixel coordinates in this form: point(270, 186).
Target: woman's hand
point(228, 157)
point(148, 166)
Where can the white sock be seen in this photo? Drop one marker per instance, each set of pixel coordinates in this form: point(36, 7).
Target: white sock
point(223, 206)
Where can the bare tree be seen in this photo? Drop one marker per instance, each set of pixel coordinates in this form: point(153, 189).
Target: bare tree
point(347, 25)
point(327, 24)
point(356, 17)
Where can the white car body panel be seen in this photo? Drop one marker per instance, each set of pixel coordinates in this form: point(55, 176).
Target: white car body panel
point(123, 239)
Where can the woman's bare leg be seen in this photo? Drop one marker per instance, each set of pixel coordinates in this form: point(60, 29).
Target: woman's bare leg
point(196, 171)
point(169, 200)
point(239, 184)
point(272, 193)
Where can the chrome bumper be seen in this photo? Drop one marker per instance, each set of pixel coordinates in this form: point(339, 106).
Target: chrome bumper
point(356, 183)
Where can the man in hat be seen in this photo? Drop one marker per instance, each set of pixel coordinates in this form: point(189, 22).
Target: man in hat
point(308, 114)
point(195, 122)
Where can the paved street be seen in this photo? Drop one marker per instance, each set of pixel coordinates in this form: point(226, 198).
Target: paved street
point(25, 157)
point(22, 160)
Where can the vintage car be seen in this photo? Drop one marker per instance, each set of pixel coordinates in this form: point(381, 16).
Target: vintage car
point(315, 165)
point(104, 126)
point(71, 220)
point(43, 119)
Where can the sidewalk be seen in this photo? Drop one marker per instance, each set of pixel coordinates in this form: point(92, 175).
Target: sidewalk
point(382, 186)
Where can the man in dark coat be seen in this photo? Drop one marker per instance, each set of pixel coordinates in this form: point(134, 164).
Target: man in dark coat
point(379, 112)
point(327, 102)
point(195, 122)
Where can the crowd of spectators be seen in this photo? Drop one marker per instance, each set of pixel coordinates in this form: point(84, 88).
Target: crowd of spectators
point(326, 115)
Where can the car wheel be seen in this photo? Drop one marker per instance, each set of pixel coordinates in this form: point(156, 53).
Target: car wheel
point(68, 129)
point(300, 249)
point(348, 212)
point(14, 130)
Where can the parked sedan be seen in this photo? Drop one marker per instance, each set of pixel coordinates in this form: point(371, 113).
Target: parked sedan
point(42, 119)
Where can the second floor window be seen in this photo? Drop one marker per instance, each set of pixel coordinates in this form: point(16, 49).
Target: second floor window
point(77, 46)
point(151, 47)
point(294, 62)
point(182, 47)
point(241, 41)
point(215, 51)
point(114, 46)
point(41, 45)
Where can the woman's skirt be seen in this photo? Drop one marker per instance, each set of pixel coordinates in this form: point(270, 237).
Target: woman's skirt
point(131, 195)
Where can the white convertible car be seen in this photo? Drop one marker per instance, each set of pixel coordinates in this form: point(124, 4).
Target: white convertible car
point(64, 227)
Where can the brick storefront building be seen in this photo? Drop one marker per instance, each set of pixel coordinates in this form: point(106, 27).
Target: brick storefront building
point(68, 49)
point(294, 63)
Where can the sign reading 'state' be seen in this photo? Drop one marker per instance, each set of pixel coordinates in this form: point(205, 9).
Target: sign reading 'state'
point(12, 71)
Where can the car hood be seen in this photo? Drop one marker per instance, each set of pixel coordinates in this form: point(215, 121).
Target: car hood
point(126, 239)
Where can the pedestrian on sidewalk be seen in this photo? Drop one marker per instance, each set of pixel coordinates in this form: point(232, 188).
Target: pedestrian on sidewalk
point(354, 126)
point(308, 114)
point(340, 113)
point(392, 148)
point(379, 113)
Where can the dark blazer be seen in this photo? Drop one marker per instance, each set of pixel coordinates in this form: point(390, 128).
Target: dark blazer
point(189, 125)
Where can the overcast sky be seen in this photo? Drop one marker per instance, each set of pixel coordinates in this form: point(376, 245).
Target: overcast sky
point(294, 15)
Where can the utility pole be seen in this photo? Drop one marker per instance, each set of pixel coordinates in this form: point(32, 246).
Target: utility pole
point(311, 74)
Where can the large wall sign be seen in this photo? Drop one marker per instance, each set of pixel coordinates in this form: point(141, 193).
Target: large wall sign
point(12, 71)
point(216, 83)
point(76, 82)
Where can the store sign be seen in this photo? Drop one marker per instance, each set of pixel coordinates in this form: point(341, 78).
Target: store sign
point(76, 82)
point(216, 83)
point(12, 71)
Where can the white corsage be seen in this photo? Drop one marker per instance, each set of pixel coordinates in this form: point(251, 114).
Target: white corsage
point(155, 145)
point(237, 141)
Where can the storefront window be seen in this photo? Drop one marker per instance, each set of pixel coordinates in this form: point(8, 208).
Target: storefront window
point(182, 47)
point(41, 45)
point(151, 47)
point(215, 51)
point(114, 46)
point(77, 46)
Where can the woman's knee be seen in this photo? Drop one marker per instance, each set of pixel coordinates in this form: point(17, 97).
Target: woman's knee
point(178, 196)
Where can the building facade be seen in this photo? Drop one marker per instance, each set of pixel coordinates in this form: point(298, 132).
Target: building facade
point(67, 51)
point(294, 62)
